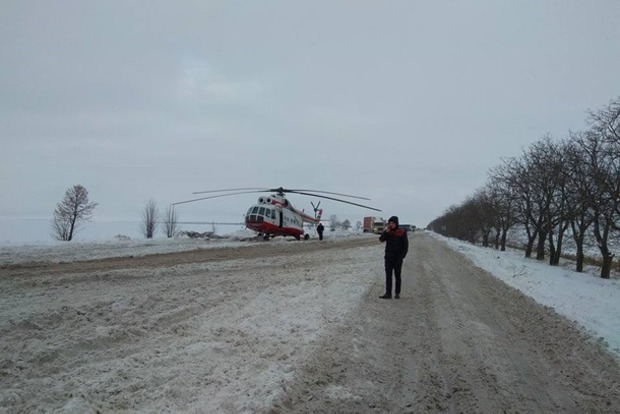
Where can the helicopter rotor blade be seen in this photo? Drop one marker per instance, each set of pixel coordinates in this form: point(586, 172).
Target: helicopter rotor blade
point(280, 191)
point(327, 192)
point(230, 189)
point(341, 201)
point(216, 196)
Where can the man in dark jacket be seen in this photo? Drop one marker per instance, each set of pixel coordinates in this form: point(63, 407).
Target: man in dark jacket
point(396, 246)
point(319, 229)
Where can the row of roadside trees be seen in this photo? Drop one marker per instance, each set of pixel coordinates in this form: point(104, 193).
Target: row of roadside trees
point(556, 189)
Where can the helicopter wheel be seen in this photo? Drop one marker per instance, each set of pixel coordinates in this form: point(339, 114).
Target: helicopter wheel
point(306, 236)
point(266, 237)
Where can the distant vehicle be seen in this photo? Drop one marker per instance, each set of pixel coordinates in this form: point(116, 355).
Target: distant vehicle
point(408, 227)
point(378, 226)
point(373, 224)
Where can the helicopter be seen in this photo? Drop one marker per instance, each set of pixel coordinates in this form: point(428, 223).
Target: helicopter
point(274, 215)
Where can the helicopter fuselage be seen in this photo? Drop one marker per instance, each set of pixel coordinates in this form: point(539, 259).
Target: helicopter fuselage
point(275, 216)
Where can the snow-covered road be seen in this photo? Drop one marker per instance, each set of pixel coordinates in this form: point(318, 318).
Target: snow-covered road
point(288, 327)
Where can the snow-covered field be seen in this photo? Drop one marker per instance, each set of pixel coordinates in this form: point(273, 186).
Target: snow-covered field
point(116, 247)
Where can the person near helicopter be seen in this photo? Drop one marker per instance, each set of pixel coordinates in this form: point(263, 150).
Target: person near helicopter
point(319, 229)
point(396, 247)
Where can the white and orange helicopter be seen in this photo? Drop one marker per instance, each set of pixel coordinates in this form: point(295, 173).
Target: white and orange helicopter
point(274, 215)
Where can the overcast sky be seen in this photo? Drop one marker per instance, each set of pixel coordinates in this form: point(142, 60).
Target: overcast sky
point(408, 103)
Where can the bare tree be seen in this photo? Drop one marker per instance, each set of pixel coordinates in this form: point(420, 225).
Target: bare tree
point(484, 213)
point(333, 222)
point(473, 221)
point(517, 173)
point(346, 225)
point(505, 201)
point(149, 219)
point(537, 178)
point(603, 135)
point(583, 185)
point(73, 208)
point(171, 222)
point(559, 211)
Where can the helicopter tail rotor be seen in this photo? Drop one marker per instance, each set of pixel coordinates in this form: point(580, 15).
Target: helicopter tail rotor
point(318, 212)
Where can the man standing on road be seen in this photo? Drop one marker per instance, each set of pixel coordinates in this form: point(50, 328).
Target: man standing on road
point(396, 246)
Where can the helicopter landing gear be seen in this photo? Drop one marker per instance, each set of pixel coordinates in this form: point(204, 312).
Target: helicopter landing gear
point(266, 237)
point(306, 236)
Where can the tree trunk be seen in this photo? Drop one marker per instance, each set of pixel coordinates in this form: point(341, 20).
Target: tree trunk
point(497, 236)
point(601, 240)
point(504, 234)
point(540, 248)
point(558, 252)
point(558, 247)
point(606, 268)
point(551, 249)
point(70, 236)
point(531, 238)
point(485, 238)
point(578, 236)
point(580, 256)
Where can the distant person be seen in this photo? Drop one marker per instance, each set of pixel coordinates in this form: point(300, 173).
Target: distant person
point(396, 246)
point(319, 229)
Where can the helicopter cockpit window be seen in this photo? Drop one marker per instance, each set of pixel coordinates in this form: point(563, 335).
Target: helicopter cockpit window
point(261, 211)
point(255, 210)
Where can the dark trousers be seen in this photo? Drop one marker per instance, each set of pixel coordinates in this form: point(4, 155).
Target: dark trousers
point(320, 235)
point(393, 264)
